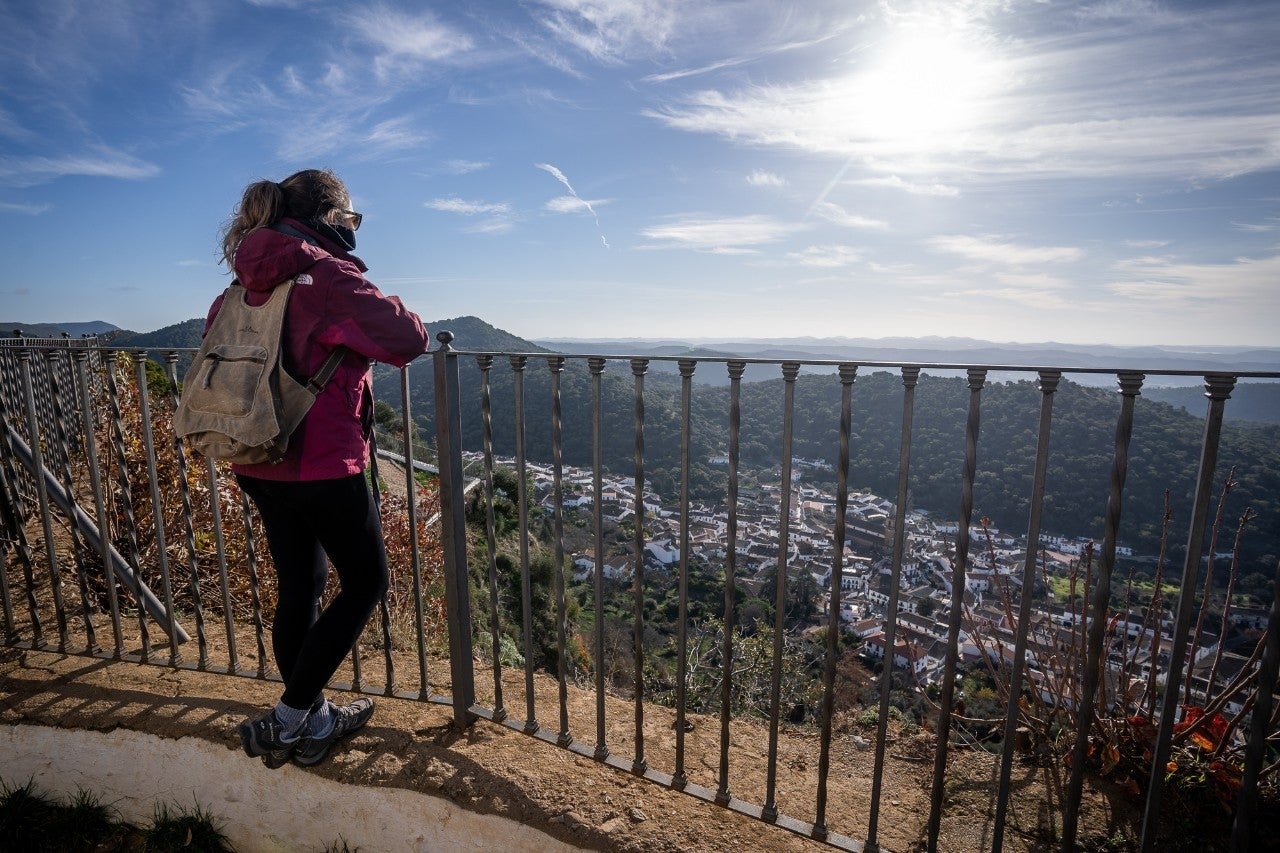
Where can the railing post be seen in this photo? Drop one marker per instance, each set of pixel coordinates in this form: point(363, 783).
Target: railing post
point(453, 530)
point(1218, 389)
point(1095, 616)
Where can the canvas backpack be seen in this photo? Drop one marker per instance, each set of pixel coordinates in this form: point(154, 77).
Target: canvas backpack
point(238, 402)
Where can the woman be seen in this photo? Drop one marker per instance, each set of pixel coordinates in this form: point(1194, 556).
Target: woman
point(316, 504)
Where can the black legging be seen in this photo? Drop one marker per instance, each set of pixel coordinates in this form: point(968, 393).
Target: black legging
point(308, 525)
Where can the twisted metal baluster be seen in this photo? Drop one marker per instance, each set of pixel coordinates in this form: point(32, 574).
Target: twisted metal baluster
point(735, 368)
point(215, 509)
point(485, 363)
point(14, 512)
point(639, 366)
point(1218, 389)
point(790, 370)
point(1048, 387)
point(977, 377)
point(556, 365)
point(255, 597)
point(42, 496)
point(687, 366)
point(910, 378)
point(126, 513)
point(157, 505)
point(184, 489)
point(415, 550)
point(848, 372)
point(87, 409)
point(1096, 616)
point(62, 459)
point(596, 366)
point(518, 364)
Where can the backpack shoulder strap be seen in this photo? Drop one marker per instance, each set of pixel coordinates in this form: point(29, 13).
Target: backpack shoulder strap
point(322, 376)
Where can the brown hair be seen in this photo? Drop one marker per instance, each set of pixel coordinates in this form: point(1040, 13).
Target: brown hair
point(309, 194)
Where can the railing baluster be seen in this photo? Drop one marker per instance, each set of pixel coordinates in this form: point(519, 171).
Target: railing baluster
point(1095, 616)
point(384, 612)
point(638, 368)
point(42, 497)
point(62, 456)
point(518, 363)
point(220, 547)
point(910, 378)
point(157, 504)
point(736, 369)
point(184, 491)
point(125, 514)
point(1218, 389)
point(790, 370)
point(14, 519)
point(87, 410)
point(255, 597)
point(596, 365)
point(485, 363)
point(977, 377)
point(556, 366)
point(415, 549)
point(848, 372)
point(453, 530)
point(687, 366)
point(1049, 380)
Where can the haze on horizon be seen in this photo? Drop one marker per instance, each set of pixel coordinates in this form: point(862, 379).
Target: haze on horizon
point(1004, 170)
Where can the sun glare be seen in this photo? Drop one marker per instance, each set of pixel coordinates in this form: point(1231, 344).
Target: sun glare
point(921, 90)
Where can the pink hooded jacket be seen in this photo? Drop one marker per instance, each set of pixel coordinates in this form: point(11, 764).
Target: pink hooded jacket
point(332, 303)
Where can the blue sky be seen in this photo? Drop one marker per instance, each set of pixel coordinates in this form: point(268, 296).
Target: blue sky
point(1104, 172)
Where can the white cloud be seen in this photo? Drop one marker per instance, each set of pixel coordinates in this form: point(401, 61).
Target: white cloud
point(1272, 224)
point(465, 167)
point(101, 163)
point(761, 178)
point(573, 204)
point(468, 208)
point(836, 214)
point(996, 250)
point(405, 41)
point(27, 209)
point(1146, 244)
point(610, 31)
point(723, 235)
point(1244, 284)
point(915, 188)
point(825, 256)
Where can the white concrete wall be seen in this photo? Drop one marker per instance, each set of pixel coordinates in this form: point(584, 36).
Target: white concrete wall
point(259, 810)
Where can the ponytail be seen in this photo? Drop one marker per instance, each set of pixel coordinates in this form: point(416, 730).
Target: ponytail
point(261, 205)
point(311, 194)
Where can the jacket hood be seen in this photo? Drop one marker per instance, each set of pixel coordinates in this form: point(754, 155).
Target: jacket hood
point(266, 257)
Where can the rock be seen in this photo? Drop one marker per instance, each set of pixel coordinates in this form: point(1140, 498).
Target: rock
point(637, 815)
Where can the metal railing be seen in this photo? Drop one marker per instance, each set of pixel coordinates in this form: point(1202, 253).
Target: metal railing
point(84, 518)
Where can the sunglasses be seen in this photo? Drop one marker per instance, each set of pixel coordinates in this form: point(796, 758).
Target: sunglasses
point(354, 218)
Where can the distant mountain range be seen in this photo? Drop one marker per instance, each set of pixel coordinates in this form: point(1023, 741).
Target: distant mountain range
point(1252, 400)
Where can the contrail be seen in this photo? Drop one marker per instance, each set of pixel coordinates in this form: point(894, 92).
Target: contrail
point(559, 176)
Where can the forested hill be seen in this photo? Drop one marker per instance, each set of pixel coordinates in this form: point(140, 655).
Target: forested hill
point(1250, 401)
point(1164, 454)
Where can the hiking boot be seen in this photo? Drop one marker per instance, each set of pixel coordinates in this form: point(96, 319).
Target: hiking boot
point(266, 737)
point(313, 749)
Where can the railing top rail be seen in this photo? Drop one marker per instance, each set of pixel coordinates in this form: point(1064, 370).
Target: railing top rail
point(923, 365)
point(35, 343)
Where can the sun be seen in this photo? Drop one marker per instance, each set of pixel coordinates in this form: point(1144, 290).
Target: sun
point(920, 89)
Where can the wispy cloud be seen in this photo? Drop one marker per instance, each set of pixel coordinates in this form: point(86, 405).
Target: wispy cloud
point(1146, 244)
point(609, 32)
point(825, 256)
point(573, 204)
point(24, 209)
point(100, 163)
point(837, 215)
point(761, 178)
point(999, 251)
point(1247, 283)
point(722, 235)
point(1271, 224)
point(913, 187)
point(405, 41)
point(466, 167)
point(583, 203)
point(468, 208)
